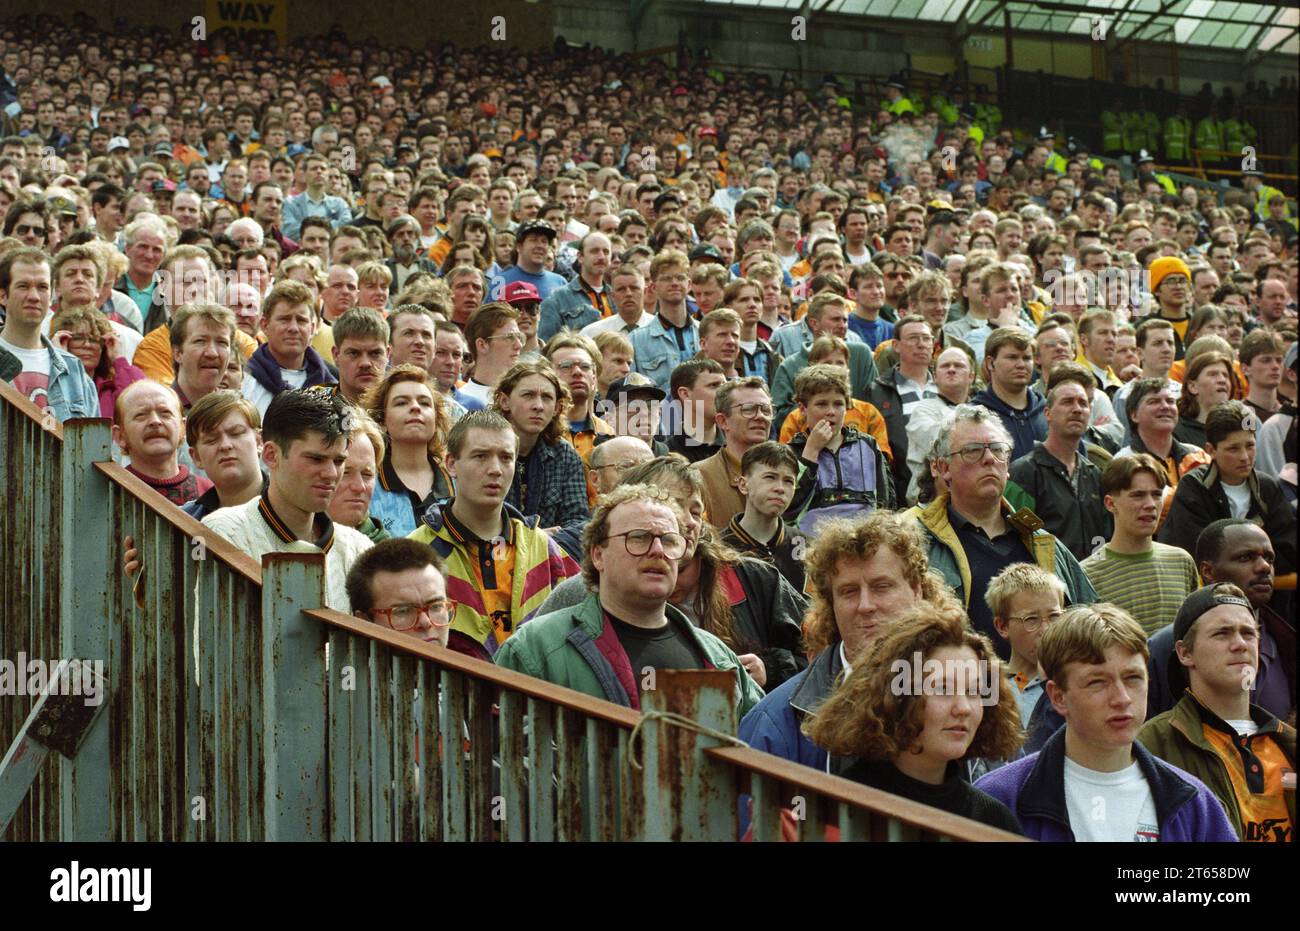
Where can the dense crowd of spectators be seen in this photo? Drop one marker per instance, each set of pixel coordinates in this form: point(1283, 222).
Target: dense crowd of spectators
point(974, 459)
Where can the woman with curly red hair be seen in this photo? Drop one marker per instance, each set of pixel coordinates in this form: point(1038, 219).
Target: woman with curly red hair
point(928, 697)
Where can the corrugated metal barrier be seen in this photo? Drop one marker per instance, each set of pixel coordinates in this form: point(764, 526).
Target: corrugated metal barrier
point(236, 710)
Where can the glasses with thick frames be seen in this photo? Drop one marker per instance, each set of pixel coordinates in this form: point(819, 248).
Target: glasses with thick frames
point(638, 542)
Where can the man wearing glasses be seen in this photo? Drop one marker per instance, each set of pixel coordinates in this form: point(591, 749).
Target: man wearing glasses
point(610, 645)
point(496, 341)
point(575, 359)
point(971, 530)
point(611, 460)
point(399, 584)
point(744, 415)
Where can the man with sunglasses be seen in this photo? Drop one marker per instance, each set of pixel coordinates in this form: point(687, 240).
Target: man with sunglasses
point(612, 643)
point(971, 529)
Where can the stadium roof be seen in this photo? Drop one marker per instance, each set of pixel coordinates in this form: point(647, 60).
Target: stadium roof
point(1264, 27)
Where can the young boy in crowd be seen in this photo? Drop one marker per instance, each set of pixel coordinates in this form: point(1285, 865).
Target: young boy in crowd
point(844, 472)
point(1239, 750)
point(1230, 486)
point(831, 350)
point(1092, 780)
point(1147, 579)
point(1024, 599)
point(768, 475)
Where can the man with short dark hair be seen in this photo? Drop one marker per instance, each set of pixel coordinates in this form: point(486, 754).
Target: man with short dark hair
point(306, 436)
point(692, 420)
point(500, 566)
point(314, 201)
point(1147, 579)
point(744, 416)
point(585, 299)
point(50, 378)
point(1056, 481)
point(1008, 369)
point(1152, 407)
point(399, 584)
point(360, 351)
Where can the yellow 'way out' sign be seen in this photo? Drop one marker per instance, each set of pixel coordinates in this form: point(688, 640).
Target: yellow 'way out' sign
point(244, 17)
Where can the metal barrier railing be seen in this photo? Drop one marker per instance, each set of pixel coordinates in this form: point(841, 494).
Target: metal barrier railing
point(234, 713)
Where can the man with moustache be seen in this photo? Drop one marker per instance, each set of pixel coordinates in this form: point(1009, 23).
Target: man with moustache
point(360, 351)
point(606, 645)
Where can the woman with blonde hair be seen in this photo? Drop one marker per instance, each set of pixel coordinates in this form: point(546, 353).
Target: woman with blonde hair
point(408, 407)
point(928, 698)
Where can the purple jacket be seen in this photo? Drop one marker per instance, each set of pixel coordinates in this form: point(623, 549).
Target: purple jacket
point(1033, 787)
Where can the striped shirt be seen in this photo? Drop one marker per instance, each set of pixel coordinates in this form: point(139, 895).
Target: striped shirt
point(1151, 586)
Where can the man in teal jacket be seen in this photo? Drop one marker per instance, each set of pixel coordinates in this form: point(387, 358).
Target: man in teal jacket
point(610, 645)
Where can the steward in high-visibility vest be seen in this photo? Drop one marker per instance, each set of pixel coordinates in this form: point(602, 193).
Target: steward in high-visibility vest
point(1135, 134)
point(1147, 162)
point(1150, 129)
point(896, 102)
point(1112, 130)
point(1237, 134)
point(1178, 137)
point(1209, 134)
point(988, 115)
point(1054, 162)
point(1253, 182)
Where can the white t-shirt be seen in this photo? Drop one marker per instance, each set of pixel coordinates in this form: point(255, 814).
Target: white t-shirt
point(1244, 728)
point(615, 322)
point(261, 398)
point(472, 389)
point(34, 380)
point(1110, 806)
point(1238, 498)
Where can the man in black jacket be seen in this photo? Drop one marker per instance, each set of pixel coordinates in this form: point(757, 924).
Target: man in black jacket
point(1058, 481)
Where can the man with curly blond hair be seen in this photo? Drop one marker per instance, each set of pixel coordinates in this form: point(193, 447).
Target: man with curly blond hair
point(862, 576)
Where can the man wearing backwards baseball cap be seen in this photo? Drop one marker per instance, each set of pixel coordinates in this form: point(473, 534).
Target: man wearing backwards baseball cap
point(1171, 287)
point(1239, 750)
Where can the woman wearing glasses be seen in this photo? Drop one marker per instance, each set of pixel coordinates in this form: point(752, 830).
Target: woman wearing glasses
point(550, 481)
point(86, 333)
point(407, 405)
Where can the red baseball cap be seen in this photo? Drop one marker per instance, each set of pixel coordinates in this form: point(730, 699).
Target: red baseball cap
point(520, 292)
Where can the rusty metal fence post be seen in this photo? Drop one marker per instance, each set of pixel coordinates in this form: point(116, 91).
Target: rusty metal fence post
point(295, 712)
point(88, 629)
point(685, 795)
